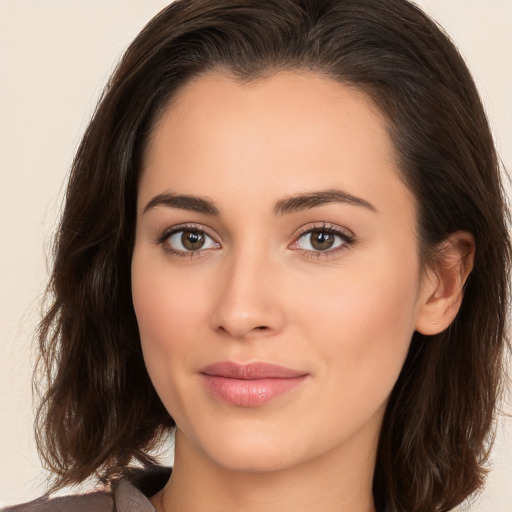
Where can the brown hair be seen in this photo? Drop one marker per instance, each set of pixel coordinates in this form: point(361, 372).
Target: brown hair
point(100, 411)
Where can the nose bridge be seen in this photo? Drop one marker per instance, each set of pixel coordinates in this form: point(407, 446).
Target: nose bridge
point(248, 302)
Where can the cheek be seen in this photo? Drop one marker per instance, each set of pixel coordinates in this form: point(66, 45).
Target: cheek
point(168, 299)
point(363, 322)
point(168, 309)
point(162, 311)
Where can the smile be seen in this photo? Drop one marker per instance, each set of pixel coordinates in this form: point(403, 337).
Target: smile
point(250, 385)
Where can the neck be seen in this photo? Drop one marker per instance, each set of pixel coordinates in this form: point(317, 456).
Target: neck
point(198, 484)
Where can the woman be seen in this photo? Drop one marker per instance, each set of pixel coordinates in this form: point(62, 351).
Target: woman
point(284, 235)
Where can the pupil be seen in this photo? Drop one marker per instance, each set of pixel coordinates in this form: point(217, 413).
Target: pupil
point(322, 240)
point(192, 240)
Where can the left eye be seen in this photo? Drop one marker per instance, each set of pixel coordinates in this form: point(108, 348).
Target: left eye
point(321, 240)
point(188, 240)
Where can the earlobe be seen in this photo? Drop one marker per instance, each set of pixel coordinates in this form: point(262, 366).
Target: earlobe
point(442, 287)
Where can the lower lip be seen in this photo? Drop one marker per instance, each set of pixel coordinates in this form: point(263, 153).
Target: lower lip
point(250, 393)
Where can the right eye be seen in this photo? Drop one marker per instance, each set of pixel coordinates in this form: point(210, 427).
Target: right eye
point(186, 241)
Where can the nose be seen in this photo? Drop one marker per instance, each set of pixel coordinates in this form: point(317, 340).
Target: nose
point(249, 302)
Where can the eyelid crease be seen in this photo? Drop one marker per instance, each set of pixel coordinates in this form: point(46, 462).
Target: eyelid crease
point(327, 226)
point(184, 227)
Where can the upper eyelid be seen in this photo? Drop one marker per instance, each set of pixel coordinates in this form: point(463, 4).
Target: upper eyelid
point(304, 229)
point(347, 236)
point(324, 226)
point(327, 226)
point(187, 226)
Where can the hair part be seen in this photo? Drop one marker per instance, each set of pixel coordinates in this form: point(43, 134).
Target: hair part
point(100, 411)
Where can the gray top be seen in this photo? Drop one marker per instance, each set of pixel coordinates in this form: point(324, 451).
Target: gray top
point(129, 494)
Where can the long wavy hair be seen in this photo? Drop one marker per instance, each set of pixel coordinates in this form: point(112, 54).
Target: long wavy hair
point(99, 411)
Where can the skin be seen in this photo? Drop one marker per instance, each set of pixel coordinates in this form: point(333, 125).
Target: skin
point(258, 290)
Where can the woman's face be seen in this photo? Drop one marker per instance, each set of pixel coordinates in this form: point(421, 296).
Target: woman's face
point(276, 277)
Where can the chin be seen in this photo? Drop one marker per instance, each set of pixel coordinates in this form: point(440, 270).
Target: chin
point(247, 459)
point(248, 449)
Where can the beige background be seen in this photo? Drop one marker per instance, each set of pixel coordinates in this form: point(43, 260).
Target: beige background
point(55, 56)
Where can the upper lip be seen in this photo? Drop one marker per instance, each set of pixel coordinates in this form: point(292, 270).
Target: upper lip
point(250, 371)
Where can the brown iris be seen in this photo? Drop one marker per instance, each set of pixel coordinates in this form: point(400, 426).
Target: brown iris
point(322, 240)
point(192, 240)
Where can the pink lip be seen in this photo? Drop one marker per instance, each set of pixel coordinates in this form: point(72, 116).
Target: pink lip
point(250, 385)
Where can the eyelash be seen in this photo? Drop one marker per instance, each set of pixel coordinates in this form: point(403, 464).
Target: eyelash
point(346, 237)
point(163, 240)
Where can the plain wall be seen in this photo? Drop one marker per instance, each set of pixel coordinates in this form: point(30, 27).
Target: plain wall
point(55, 56)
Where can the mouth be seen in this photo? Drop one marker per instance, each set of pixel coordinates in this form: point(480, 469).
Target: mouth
point(250, 385)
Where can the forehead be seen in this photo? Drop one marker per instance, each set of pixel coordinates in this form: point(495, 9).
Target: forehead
point(284, 134)
point(301, 104)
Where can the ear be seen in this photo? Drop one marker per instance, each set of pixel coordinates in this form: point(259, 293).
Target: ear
point(442, 287)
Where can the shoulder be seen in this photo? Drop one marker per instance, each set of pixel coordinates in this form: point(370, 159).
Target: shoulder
point(93, 502)
point(129, 494)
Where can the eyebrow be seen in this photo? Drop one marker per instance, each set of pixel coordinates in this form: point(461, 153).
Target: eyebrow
point(183, 202)
point(285, 206)
point(312, 199)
